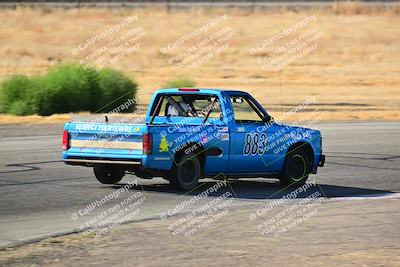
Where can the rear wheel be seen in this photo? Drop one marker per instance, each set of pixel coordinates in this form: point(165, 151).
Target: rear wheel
point(186, 172)
point(108, 174)
point(296, 168)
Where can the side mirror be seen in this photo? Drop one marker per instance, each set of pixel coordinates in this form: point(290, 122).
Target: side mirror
point(238, 100)
point(221, 118)
point(268, 119)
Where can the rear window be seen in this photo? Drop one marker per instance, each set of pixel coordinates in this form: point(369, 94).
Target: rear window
point(188, 105)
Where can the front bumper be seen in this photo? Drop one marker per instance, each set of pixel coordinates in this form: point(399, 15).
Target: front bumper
point(321, 161)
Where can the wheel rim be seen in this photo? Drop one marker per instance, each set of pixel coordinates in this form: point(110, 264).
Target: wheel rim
point(298, 168)
point(188, 172)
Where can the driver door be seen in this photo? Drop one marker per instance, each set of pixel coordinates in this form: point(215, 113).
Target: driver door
point(248, 140)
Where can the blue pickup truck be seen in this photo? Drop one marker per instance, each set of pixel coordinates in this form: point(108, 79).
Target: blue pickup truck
point(190, 134)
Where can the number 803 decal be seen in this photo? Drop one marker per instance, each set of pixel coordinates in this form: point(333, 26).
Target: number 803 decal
point(255, 144)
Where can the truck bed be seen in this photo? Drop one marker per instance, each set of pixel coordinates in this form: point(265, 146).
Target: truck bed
point(98, 142)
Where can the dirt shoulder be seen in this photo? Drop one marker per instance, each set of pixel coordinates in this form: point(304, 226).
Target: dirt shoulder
point(340, 233)
point(353, 72)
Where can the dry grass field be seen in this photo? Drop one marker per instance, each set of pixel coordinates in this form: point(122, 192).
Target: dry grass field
point(354, 72)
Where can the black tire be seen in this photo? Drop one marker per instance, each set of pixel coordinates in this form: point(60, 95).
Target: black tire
point(295, 168)
point(108, 174)
point(186, 172)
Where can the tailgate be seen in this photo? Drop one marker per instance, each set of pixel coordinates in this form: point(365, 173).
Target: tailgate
point(104, 141)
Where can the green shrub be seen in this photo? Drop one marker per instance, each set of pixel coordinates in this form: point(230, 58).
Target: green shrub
point(92, 76)
point(17, 95)
point(15, 87)
point(19, 107)
point(122, 89)
point(180, 82)
point(66, 88)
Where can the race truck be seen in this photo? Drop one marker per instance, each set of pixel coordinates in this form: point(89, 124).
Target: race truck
point(189, 134)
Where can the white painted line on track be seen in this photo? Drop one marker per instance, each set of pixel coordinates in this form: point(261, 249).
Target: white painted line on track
point(354, 197)
point(375, 196)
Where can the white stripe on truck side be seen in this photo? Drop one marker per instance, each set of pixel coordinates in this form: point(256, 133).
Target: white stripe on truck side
point(106, 144)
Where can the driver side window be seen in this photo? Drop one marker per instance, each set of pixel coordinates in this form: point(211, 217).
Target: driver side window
point(245, 110)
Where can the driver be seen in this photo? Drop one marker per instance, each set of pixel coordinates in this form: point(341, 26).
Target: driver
point(172, 111)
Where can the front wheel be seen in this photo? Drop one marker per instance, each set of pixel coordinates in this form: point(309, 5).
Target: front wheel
point(296, 168)
point(108, 174)
point(186, 172)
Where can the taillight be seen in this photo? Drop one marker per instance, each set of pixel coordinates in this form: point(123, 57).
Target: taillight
point(147, 143)
point(65, 140)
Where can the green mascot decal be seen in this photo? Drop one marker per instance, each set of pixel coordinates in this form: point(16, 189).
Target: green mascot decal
point(164, 144)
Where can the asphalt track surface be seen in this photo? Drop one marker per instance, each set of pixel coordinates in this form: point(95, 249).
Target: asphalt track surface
point(38, 193)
